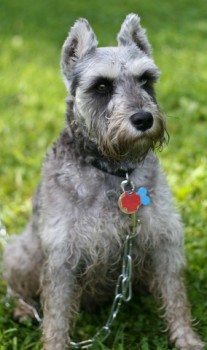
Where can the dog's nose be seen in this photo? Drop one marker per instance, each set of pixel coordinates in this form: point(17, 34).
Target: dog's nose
point(142, 120)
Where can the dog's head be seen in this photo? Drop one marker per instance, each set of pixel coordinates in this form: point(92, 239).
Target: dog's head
point(113, 90)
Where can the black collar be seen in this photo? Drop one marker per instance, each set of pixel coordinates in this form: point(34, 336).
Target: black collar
point(118, 172)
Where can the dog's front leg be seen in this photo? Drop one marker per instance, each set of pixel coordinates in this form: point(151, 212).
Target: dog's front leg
point(57, 299)
point(168, 285)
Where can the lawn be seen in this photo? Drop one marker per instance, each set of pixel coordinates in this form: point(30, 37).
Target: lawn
point(32, 114)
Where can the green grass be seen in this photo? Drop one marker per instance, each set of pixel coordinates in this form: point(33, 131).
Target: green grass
point(32, 114)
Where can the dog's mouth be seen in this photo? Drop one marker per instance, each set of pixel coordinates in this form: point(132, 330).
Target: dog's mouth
point(119, 144)
point(136, 149)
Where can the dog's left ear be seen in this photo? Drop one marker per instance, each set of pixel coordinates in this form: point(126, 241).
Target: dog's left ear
point(132, 33)
point(80, 41)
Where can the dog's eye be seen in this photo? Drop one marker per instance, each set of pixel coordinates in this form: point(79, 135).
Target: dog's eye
point(146, 79)
point(104, 86)
point(143, 81)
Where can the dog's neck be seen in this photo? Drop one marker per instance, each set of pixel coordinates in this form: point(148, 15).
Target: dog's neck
point(89, 153)
point(111, 169)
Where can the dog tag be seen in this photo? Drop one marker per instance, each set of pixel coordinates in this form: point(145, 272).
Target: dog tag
point(129, 202)
point(145, 199)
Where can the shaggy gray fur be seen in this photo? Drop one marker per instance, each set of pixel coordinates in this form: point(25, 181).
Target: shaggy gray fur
point(72, 248)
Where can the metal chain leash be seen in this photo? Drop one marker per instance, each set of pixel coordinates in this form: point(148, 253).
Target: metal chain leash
point(123, 291)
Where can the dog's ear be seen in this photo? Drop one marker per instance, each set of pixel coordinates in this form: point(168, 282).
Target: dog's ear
point(80, 41)
point(132, 33)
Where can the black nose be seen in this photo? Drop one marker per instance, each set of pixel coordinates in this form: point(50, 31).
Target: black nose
point(142, 120)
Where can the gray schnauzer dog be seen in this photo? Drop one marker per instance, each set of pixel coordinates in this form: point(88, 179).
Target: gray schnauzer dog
point(71, 251)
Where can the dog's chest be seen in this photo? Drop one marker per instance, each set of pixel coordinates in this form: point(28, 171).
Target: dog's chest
point(100, 227)
point(101, 217)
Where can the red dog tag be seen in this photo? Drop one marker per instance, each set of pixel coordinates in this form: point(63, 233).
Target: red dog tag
point(129, 202)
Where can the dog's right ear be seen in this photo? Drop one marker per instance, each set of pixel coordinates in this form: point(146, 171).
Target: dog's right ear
point(80, 41)
point(132, 33)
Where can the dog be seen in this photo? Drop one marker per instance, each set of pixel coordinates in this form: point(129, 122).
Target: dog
point(71, 250)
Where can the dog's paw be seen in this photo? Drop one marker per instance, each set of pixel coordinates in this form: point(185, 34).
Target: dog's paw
point(21, 315)
point(24, 312)
point(187, 341)
point(195, 345)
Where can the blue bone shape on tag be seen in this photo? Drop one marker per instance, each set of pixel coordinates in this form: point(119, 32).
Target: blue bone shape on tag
point(142, 192)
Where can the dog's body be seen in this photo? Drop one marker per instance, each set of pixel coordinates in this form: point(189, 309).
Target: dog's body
point(72, 248)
